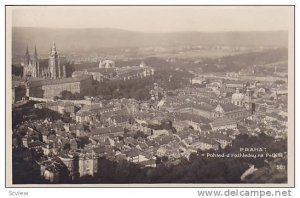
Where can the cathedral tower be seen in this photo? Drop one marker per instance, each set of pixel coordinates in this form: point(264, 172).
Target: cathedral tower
point(27, 57)
point(54, 64)
point(30, 65)
point(35, 63)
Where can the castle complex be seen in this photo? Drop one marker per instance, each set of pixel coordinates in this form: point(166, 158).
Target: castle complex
point(54, 70)
point(49, 80)
point(50, 88)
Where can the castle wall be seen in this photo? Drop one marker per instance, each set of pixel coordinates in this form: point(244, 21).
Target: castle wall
point(53, 88)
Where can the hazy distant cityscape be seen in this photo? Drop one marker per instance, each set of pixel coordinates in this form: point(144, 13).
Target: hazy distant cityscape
point(111, 106)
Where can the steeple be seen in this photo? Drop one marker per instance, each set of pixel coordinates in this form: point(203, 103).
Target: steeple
point(35, 63)
point(27, 51)
point(54, 64)
point(249, 94)
point(35, 53)
point(53, 50)
point(27, 56)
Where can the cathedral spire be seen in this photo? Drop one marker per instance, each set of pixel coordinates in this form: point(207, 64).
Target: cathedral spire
point(27, 56)
point(53, 49)
point(35, 52)
point(35, 64)
point(27, 51)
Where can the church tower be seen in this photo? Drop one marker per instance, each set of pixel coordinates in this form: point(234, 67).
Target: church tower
point(35, 63)
point(237, 98)
point(28, 69)
point(248, 101)
point(54, 64)
point(27, 57)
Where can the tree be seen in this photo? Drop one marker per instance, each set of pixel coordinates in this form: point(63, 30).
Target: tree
point(67, 146)
point(279, 82)
point(55, 97)
point(139, 134)
point(66, 95)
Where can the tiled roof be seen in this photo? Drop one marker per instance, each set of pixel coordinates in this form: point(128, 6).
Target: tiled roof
point(121, 118)
point(205, 127)
point(229, 107)
point(189, 117)
point(223, 121)
point(101, 70)
point(133, 153)
point(106, 130)
point(218, 136)
point(203, 106)
point(208, 140)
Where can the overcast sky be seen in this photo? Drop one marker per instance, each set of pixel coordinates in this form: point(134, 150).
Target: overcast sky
point(156, 19)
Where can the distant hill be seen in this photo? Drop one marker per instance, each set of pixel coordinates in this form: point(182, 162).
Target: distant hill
point(91, 39)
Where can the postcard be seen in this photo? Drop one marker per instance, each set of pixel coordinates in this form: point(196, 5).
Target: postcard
point(150, 96)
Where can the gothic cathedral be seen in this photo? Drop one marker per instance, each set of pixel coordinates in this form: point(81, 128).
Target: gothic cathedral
point(31, 67)
point(54, 69)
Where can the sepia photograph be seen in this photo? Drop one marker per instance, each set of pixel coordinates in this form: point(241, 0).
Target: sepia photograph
point(150, 96)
